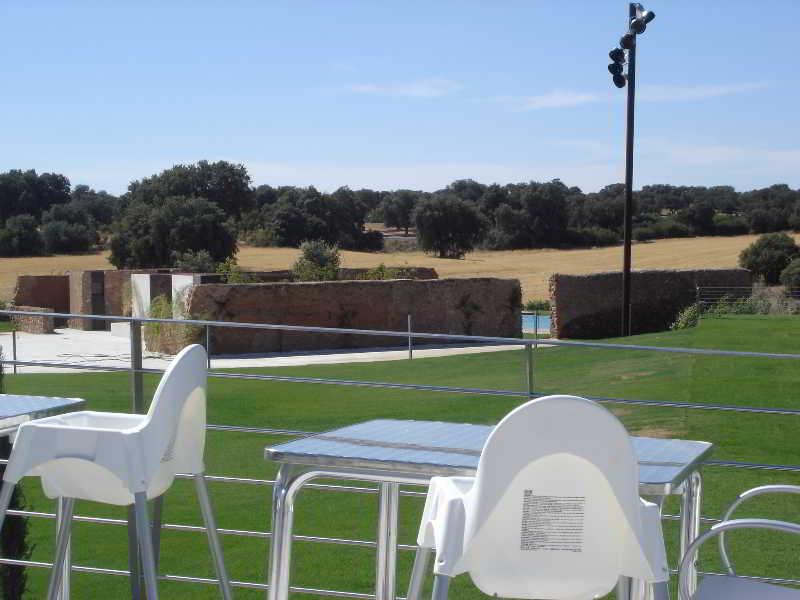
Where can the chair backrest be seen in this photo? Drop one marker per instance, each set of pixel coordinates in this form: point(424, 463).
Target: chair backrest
point(555, 511)
point(176, 421)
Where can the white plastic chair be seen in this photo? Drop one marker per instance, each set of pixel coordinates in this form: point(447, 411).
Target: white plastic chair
point(553, 511)
point(122, 459)
point(731, 586)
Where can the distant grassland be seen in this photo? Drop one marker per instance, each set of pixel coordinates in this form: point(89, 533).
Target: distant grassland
point(531, 267)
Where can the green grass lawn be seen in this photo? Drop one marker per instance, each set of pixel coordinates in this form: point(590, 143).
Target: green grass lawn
point(628, 374)
point(6, 326)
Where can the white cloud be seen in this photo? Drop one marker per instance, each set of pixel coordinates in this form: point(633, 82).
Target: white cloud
point(560, 99)
point(648, 93)
point(678, 93)
point(432, 87)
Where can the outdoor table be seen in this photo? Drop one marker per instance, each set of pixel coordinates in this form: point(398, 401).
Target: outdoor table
point(16, 410)
point(394, 452)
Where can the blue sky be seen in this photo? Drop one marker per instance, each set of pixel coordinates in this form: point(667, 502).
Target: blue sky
point(399, 94)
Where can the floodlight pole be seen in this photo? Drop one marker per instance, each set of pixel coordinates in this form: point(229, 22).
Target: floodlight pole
point(628, 215)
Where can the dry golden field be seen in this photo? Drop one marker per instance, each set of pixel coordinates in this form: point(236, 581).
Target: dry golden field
point(531, 267)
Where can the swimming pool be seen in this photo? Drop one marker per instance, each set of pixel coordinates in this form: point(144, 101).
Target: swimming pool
point(530, 322)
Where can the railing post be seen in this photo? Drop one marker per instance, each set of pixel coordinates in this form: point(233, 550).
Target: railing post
point(410, 340)
point(208, 346)
point(529, 368)
point(536, 326)
point(137, 377)
point(14, 349)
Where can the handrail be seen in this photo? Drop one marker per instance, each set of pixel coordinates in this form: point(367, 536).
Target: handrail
point(535, 342)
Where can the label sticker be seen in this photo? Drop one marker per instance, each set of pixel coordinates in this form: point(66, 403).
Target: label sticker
point(552, 523)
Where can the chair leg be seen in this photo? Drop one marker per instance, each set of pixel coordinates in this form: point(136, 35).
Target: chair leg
point(441, 586)
point(62, 541)
point(213, 536)
point(134, 564)
point(421, 559)
point(145, 545)
point(158, 508)
point(660, 591)
point(5, 500)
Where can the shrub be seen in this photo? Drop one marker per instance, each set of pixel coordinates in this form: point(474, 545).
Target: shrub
point(192, 261)
point(688, 317)
point(644, 234)
point(20, 237)
point(738, 306)
point(730, 225)
point(68, 228)
point(663, 228)
point(591, 236)
point(319, 261)
point(769, 255)
point(260, 237)
point(169, 337)
point(65, 237)
point(370, 241)
point(537, 305)
point(790, 276)
point(382, 272)
point(233, 273)
point(448, 226)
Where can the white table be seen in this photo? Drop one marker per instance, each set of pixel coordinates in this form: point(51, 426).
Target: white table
point(392, 452)
point(18, 409)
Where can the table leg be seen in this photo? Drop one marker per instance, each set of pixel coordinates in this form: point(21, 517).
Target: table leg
point(63, 592)
point(418, 573)
point(386, 556)
point(691, 507)
point(281, 545)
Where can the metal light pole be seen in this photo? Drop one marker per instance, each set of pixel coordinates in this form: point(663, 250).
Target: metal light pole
point(638, 18)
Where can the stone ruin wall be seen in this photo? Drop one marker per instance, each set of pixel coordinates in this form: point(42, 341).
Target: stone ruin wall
point(484, 306)
point(33, 323)
point(588, 306)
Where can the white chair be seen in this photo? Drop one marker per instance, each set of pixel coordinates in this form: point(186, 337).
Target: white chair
point(731, 586)
point(553, 511)
point(122, 459)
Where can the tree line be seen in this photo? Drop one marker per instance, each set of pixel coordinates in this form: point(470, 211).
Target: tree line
point(211, 206)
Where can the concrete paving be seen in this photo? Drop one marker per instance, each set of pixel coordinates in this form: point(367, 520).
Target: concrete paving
point(104, 349)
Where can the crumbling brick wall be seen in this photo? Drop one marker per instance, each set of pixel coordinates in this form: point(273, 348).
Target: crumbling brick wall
point(589, 306)
point(484, 306)
point(31, 323)
point(43, 290)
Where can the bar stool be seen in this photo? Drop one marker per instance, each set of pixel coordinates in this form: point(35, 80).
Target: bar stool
point(123, 459)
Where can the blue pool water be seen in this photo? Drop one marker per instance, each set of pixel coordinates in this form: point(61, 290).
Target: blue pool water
point(529, 322)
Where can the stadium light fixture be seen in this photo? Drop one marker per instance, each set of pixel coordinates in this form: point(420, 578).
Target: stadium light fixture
point(625, 56)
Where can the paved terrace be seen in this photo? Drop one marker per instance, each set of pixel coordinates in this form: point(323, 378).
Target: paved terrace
point(105, 349)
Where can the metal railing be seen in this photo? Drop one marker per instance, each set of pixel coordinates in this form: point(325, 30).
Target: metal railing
point(529, 345)
point(709, 297)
